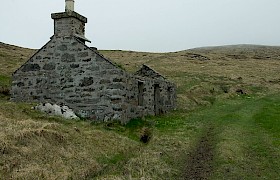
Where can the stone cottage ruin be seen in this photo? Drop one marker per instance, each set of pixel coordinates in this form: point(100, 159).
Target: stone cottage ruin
point(66, 71)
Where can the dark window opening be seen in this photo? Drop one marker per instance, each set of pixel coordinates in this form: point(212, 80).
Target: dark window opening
point(157, 99)
point(169, 95)
point(140, 93)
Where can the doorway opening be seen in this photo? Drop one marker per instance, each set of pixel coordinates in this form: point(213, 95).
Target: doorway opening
point(157, 99)
point(140, 93)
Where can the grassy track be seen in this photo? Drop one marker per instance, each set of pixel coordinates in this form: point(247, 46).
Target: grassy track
point(247, 137)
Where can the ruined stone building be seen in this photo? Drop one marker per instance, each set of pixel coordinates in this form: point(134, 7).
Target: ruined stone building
point(66, 71)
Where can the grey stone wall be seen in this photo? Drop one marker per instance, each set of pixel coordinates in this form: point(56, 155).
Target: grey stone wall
point(166, 91)
point(167, 97)
point(69, 26)
point(67, 72)
point(134, 108)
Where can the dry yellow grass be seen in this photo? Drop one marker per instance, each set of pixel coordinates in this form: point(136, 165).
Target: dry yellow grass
point(12, 57)
point(49, 149)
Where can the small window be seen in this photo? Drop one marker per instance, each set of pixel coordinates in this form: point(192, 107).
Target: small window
point(140, 93)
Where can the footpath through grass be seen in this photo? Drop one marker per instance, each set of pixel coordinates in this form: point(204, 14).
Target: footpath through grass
point(246, 133)
point(232, 139)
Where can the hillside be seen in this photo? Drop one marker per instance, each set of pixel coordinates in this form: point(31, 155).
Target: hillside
point(12, 57)
point(197, 71)
point(226, 125)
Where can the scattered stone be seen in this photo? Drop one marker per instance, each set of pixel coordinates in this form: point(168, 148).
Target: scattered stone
point(116, 117)
point(53, 109)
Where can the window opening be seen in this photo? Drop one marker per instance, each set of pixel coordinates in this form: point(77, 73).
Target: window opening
point(140, 93)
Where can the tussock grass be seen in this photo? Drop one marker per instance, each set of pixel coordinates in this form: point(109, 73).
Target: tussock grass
point(48, 148)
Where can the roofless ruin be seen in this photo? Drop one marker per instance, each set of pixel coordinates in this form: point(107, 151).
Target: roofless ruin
point(66, 71)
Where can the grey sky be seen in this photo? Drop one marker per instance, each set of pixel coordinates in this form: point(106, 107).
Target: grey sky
point(148, 25)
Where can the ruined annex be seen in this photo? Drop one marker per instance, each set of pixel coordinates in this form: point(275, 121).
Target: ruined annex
point(65, 71)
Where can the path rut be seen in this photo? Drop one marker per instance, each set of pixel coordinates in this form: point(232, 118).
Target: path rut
point(199, 162)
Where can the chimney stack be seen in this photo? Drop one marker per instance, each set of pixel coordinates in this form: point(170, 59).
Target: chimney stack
point(69, 23)
point(69, 5)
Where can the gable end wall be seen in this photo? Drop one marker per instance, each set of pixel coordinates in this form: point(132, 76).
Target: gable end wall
point(66, 71)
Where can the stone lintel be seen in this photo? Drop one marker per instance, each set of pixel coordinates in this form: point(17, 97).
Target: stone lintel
point(69, 14)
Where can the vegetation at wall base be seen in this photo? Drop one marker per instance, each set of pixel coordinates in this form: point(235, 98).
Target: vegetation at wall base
point(226, 125)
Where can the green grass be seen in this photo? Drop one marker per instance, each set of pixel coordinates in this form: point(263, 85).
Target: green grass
point(244, 149)
point(268, 117)
point(5, 81)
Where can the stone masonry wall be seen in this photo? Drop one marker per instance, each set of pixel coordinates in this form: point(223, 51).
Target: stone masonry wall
point(69, 26)
point(69, 23)
point(132, 99)
point(167, 95)
point(65, 71)
point(167, 91)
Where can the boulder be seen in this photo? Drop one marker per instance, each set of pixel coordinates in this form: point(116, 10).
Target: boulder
point(56, 110)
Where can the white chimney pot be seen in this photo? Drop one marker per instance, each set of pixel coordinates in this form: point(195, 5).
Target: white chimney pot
point(69, 5)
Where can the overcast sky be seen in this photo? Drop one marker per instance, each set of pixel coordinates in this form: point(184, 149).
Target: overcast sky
point(147, 25)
